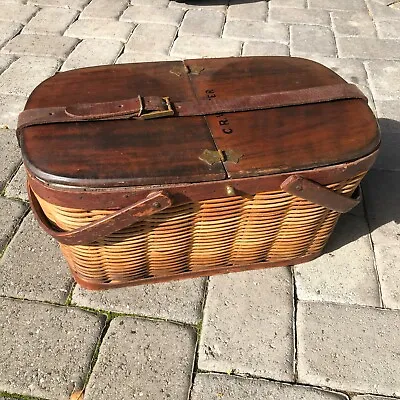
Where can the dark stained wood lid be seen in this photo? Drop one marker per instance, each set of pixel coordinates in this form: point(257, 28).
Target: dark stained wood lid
point(167, 150)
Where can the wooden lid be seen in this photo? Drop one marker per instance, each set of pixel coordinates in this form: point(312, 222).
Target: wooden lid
point(169, 150)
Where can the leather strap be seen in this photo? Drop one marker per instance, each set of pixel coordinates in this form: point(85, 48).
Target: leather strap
point(321, 195)
point(154, 107)
point(152, 204)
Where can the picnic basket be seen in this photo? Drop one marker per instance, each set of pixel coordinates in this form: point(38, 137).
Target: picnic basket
point(159, 171)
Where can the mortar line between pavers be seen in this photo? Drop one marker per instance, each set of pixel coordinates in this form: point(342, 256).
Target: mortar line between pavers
point(10, 178)
point(68, 300)
point(121, 12)
point(177, 31)
point(333, 34)
point(290, 40)
point(115, 314)
point(335, 303)
point(78, 13)
point(378, 279)
point(20, 396)
point(271, 380)
point(224, 23)
point(95, 355)
point(199, 329)
point(15, 229)
point(294, 324)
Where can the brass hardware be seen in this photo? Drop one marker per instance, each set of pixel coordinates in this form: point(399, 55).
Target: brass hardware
point(196, 70)
point(212, 157)
point(156, 114)
point(230, 191)
point(232, 156)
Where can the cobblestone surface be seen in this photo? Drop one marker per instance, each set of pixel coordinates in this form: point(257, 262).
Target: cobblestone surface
point(46, 351)
point(328, 350)
point(143, 359)
point(262, 343)
point(324, 330)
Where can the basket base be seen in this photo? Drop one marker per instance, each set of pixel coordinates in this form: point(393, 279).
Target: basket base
point(193, 274)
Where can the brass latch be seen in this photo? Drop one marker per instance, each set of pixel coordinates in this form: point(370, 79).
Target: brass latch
point(156, 114)
point(212, 157)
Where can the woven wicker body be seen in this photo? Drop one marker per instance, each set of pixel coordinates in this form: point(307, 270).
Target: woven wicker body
point(201, 237)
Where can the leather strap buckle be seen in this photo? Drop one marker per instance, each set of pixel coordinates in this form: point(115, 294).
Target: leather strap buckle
point(155, 114)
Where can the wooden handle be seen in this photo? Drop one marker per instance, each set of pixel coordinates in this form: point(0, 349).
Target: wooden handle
point(152, 204)
point(321, 195)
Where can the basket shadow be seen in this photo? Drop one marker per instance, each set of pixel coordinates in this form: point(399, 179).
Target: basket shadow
point(381, 193)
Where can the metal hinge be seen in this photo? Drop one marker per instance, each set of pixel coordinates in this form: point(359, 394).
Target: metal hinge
point(212, 157)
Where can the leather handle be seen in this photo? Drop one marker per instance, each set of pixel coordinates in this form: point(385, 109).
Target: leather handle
point(321, 195)
point(152, 204)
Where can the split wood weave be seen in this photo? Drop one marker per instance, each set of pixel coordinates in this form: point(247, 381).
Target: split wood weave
point(195, 237)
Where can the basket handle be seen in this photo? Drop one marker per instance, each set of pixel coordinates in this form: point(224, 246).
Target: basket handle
point(321, 195)
point(152, 204)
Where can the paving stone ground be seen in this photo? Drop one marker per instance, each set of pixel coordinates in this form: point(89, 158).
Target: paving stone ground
point(326, 330)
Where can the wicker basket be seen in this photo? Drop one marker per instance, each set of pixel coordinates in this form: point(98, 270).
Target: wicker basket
point(236, 174)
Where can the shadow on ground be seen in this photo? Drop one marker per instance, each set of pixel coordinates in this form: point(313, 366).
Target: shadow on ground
point(381, 191)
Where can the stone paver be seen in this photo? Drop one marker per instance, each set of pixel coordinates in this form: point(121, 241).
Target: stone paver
point(11, 213)
point(265, 49)
point(178, 301)
point(346, 272)
point(32, 266)
point(384, 79)
point(214, 386)
point(8, 29)
point(17, 12)
point(25, 74)
point(46, 349)
point(146, 39)
point(104, 9)
point(257, 30)
point(247, 325)
point(348, 348)
point(299, 16)
point(143, 359)
point(70, 4)
point(92, 52)
point(10, 107)
point(338, 4)
point(311, 40)
point(17, 187)
point(192, 46)
point(352, 71)
point(98, 29)
point(288, 4)
point(388, 29)
point(348, 23)
point(50, 21)
point(161, 15)
point(368, 47)
point(381, 12)
point(143, 57)
point(40, 45)
point(211, 5)
point(384, 218)
point(389, 122)
point(202, 23)
point(10, 156)
point(239, 10)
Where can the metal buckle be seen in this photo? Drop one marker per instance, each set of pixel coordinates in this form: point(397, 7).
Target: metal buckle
point(156, 114)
